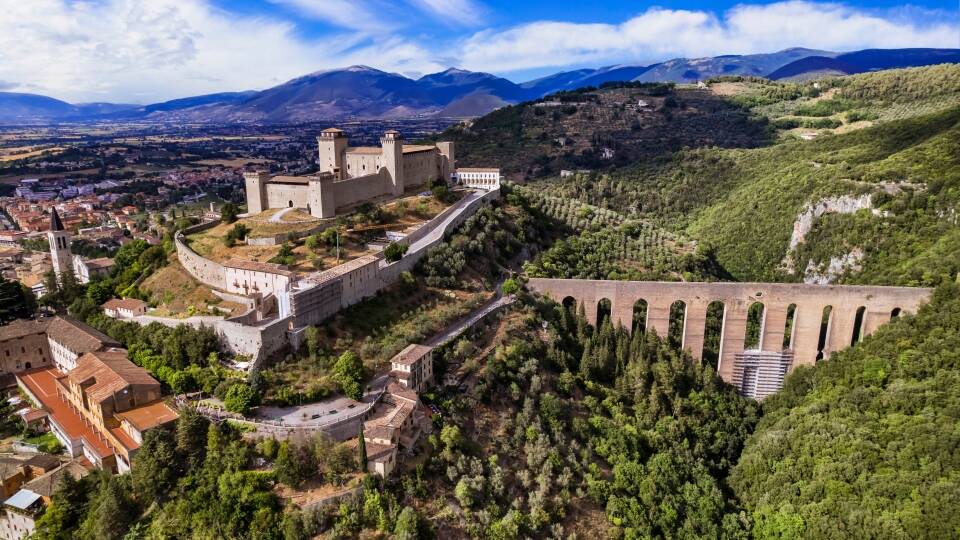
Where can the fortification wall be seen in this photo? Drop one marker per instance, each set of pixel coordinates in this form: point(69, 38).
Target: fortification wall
point(281, 195)
point(418, 167)
point(358, 164)
point(203, 269)
point(361, 188)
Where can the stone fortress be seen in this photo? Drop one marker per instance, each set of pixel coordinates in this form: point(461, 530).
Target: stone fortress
point(281, 304)
point(350, 175)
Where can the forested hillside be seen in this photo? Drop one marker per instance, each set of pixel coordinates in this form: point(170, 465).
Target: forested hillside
point(864, 445)
point(881, 187)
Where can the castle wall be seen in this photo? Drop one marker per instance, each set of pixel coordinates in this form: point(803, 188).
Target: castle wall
point(419, 167)
point(280, 195)
point(362, 188)
point(358, 164)
point(203, 269)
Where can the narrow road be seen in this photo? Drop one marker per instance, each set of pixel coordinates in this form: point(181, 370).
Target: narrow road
point(460, 326)
point(278, 217)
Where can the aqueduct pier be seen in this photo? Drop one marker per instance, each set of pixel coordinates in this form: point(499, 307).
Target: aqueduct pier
point(791, 321)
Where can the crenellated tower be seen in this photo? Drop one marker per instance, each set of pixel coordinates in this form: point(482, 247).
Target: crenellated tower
point(331, 145)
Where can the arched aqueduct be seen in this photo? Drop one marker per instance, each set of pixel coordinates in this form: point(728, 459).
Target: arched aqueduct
point(790, 320)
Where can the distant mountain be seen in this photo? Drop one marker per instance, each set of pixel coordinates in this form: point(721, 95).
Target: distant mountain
point(863, 61)
point(365, 92)
point(15, 106)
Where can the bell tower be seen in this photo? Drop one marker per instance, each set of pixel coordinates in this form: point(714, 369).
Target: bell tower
point(59, 240)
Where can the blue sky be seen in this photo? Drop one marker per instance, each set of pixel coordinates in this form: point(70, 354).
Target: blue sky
point(142, 51)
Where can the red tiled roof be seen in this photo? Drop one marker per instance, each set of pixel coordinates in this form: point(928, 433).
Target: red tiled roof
point(42, 383)
point(111, 372)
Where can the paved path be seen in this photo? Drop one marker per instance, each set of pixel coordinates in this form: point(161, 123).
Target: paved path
point(441, 228)
point(278, 217)
point(195, 321)
point(460, 326)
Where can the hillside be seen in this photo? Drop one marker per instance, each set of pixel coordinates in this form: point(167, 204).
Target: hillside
point(602, 129)
point(888, 147)
point(866, 443)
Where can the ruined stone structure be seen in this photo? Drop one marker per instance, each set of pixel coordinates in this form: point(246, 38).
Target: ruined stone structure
point(790, 325)
point(350, 175)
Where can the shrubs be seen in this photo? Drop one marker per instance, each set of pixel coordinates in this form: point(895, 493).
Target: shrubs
point(395, 252)
point(234, 235)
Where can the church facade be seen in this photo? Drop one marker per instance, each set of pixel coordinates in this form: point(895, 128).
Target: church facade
point(350, 175)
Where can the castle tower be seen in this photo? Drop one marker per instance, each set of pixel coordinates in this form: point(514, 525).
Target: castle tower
point(59, 239)
point(256, 187)
point(392, 143)
point(322, 203)
point(332, 144)
point(447, 160)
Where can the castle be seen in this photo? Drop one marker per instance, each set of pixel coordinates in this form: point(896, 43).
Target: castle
point(349, 175)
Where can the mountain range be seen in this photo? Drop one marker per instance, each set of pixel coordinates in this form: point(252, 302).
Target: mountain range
point(365, 92)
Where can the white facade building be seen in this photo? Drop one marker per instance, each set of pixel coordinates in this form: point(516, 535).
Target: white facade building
point(478, 178)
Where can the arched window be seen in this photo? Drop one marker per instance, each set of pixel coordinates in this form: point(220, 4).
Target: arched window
point(604, 308)
point(754, 333)
point(713, 332)
point(788, 328)
point(640, 316)
point(678, 321)
point(895, 313)
point(824, 331)
point(858, 326)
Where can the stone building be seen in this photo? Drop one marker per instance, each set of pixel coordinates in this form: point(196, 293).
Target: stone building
point(349, 175)
point(83, 269)
point(57, 342)
point(413, 367)
point(124, 308)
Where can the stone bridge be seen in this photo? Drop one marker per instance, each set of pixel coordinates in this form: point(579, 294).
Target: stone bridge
point(790, 322)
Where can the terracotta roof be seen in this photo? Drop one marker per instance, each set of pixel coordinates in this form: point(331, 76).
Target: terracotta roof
point(254, 266)
point(414, 148)
point(46, 484)
point(42, 383)
point(43, 461)
point(102, 262)
point(332, 130)
point(411, 354)
point(400, 374)
point(110, 372)
point(22, 327)
point(379, 452)
point(397, 391)
point(10, 466)
point(477, 169)
point(149, 416)
point(31, 280)
point(298, 180)
point(365, 150)
point(124, 303)
point(77, 336)
point(379, 432)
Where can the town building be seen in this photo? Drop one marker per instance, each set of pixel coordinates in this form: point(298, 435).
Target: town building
point(350, 175)
point(478, 178)
point(55, 342)
point(124, 308)
point(20, 511)
point(83, 269)
point(413, 367)
point(395, 426)
point(100, 409)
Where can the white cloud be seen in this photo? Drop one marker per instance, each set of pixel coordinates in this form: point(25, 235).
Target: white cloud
point(462, 12)
point(150, 50)
point(136, 51)
point(658, 34)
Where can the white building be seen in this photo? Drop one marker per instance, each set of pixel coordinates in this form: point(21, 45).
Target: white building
point(478, 178)
point(413, 367)
point(124, 308)
point(87, 269)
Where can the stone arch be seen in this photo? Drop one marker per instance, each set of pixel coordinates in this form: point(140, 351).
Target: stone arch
point(28, 365)
point(753, 335)
point(569, 303)
point(825, 319)
point(713, 333)
point(895, 312)
point(640, 315)
point(290, 204)
point(858, 325)
point(677, 323)
point(604, 310)
point(790, 328)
